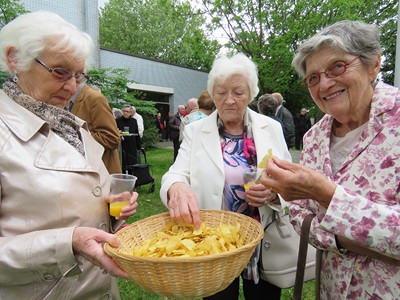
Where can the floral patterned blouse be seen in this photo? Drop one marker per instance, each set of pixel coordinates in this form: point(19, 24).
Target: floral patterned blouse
point(365, 206)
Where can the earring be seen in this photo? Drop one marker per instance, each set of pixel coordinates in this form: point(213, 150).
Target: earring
point(15, 78)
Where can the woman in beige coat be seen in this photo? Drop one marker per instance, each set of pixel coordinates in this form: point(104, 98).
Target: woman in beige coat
point(54, 186)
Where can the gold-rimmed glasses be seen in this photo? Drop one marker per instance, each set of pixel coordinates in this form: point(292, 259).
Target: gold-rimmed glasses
point(334, 70)
point(61, 74)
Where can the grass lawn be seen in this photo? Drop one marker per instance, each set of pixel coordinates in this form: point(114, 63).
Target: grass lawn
point(149, 204)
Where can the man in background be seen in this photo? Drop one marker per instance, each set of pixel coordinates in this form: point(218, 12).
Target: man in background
point(174, 124)
point(192, 108)
point(139, 120)
point(302, 123)
point(287, 119)
point(92, 106)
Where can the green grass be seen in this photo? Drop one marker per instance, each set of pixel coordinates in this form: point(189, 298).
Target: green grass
point(149, 204)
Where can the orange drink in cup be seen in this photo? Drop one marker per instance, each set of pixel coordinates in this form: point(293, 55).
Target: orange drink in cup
point(120, 183)
point(116, 207)
point(249, 178)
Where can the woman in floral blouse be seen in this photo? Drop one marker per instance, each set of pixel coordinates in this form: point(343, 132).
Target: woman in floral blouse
point(349, 171)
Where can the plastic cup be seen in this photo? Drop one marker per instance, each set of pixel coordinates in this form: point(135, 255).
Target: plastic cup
point(249, 178)
point(120, 183)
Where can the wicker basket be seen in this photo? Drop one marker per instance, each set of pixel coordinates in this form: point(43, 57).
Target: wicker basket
point(181, 277)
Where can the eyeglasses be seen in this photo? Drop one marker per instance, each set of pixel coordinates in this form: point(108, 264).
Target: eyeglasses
point(61, 74)
point(334, 70)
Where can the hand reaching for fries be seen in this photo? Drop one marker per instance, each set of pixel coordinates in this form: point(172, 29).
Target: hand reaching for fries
point(182, 204)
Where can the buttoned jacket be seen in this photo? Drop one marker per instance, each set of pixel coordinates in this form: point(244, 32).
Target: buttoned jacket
point(47, 188)
point(200, 163)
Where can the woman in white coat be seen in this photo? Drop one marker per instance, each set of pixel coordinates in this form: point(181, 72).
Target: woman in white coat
point(214, 154)
point(54, 186)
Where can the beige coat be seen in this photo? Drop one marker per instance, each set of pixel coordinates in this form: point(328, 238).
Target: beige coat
point(46, 189)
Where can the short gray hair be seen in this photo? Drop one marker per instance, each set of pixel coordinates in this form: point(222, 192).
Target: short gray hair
point(354, 37)
point(224, 67)
point(33, 33)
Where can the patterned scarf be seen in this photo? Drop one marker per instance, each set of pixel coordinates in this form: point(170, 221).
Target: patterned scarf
point(249, 147)
point(61, 121)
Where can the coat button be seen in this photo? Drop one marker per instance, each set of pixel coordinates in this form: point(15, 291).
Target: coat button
point(48, 277)
point(96, 191)
point(103, 226)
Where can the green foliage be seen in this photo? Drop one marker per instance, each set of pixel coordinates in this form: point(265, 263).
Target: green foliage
point(3, 77)
point(270, 31)
point(114, 85)
point(165, 30)
point(9, 9)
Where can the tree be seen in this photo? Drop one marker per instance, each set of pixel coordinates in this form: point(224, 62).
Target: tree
point(270, 31)
point(9, 10)
point(113, 83)
point(165, 30)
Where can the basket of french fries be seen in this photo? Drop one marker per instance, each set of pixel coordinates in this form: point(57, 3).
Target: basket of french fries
point(179, 261)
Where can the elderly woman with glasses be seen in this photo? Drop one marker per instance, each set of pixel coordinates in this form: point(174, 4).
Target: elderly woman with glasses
point(215, 154)
point(54, 187)
point(348, 175)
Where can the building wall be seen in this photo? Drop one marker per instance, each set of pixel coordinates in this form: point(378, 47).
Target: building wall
point(82, 13)
point(185, 83)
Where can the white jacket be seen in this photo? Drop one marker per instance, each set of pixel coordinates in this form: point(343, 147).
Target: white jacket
point(200, 165)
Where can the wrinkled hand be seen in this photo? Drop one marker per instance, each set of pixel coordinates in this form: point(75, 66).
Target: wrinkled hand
point(293, 181)
point(128, 210)
point(258, 195)
point(87, 242)
point(182, 204)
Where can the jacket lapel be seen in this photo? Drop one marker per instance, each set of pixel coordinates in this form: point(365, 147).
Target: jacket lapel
point(208, 136)
point(56, 154)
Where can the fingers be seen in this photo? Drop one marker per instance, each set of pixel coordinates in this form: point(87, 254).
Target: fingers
point(130, 209)
point(182, 205)
point(88, 242)
point(258, 195)
point(125, 196)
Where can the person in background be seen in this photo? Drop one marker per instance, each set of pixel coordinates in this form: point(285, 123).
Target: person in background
point(160, 124)
point(267, 105)
point(253, 105)
point(131, 143)
point(205, 107)
point(215, 152)
point(91, 106)
point(139, 120)
point(168, 129)
point(191, 108)
point(117, 112)
point(287, 119)
point(302, 124)
point(54, 185)
point(174, 125)
point(206, 104)
point(348, 175)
